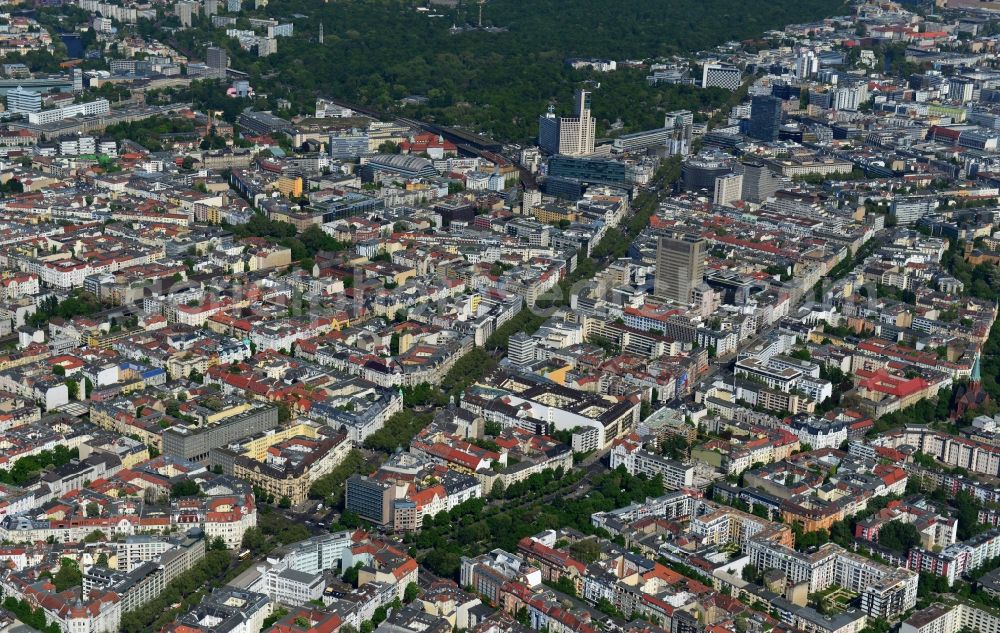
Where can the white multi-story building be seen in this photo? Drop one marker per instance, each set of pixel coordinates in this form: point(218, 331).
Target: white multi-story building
point(77, 146)
point(951, 618)
point(720, 75)
point(806, 65)
point(819, 433)
point(885, 591)
point(137, 549)
point(728, 189)
point(782, 378)
point(850, 97)
point(110, 11)
point(292, 587)
point(23, 101)
point(318, 553)
point(521, 349)
point(628, 452)
point(89, 108)
point(809, 382)
point(670, 506)
point(909, 210)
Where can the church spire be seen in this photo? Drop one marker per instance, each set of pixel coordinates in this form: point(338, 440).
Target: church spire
point(977, 374)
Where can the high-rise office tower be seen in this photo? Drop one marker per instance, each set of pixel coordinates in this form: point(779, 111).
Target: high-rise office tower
point(853, 97)
point(186, 11)
point(958, 89)
point(680, 266)
point(759, 181)
point(217, 60)
point(530, 199)
point(521, 349)
point(570, 136)
point(765, 118)
point(548, 131)
point(728, 189)
point(806, 65)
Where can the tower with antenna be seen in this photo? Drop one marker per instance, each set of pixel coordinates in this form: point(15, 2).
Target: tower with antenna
point(481, 3)
point(320, 32)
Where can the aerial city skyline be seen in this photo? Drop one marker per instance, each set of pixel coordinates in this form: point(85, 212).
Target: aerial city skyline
point(655, 316)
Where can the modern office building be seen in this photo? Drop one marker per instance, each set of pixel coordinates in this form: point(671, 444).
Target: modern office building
point(263, 122)
point(195, 443)
point(910, 210)
point(735, 288)
point(292, 587)
point(728, 189)
point(639, 141)
point(521, 349)
point(571, 136)
point(351, 143)
point(699, 172)
point(759, 181)
point(58, 83)
point(602, 171)
point(960, 90)
point(23, 101)
point(370, 498)
point(680, 266)
point(765, 118)
point(86, 109)
point(721, 76)
point(570, 176)
point(217, 61)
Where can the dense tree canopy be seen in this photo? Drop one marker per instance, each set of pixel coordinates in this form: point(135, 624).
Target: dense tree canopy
point(398, 431)
point(148, 132)
point(183, 592)
point(898, 536)
point(185, 488)
point(69, 575)
point(26, 468)
point(330, 487)
point(378, 51)
point(543, 502)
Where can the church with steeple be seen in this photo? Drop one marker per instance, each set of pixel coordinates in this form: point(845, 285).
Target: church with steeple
point(969, 397)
